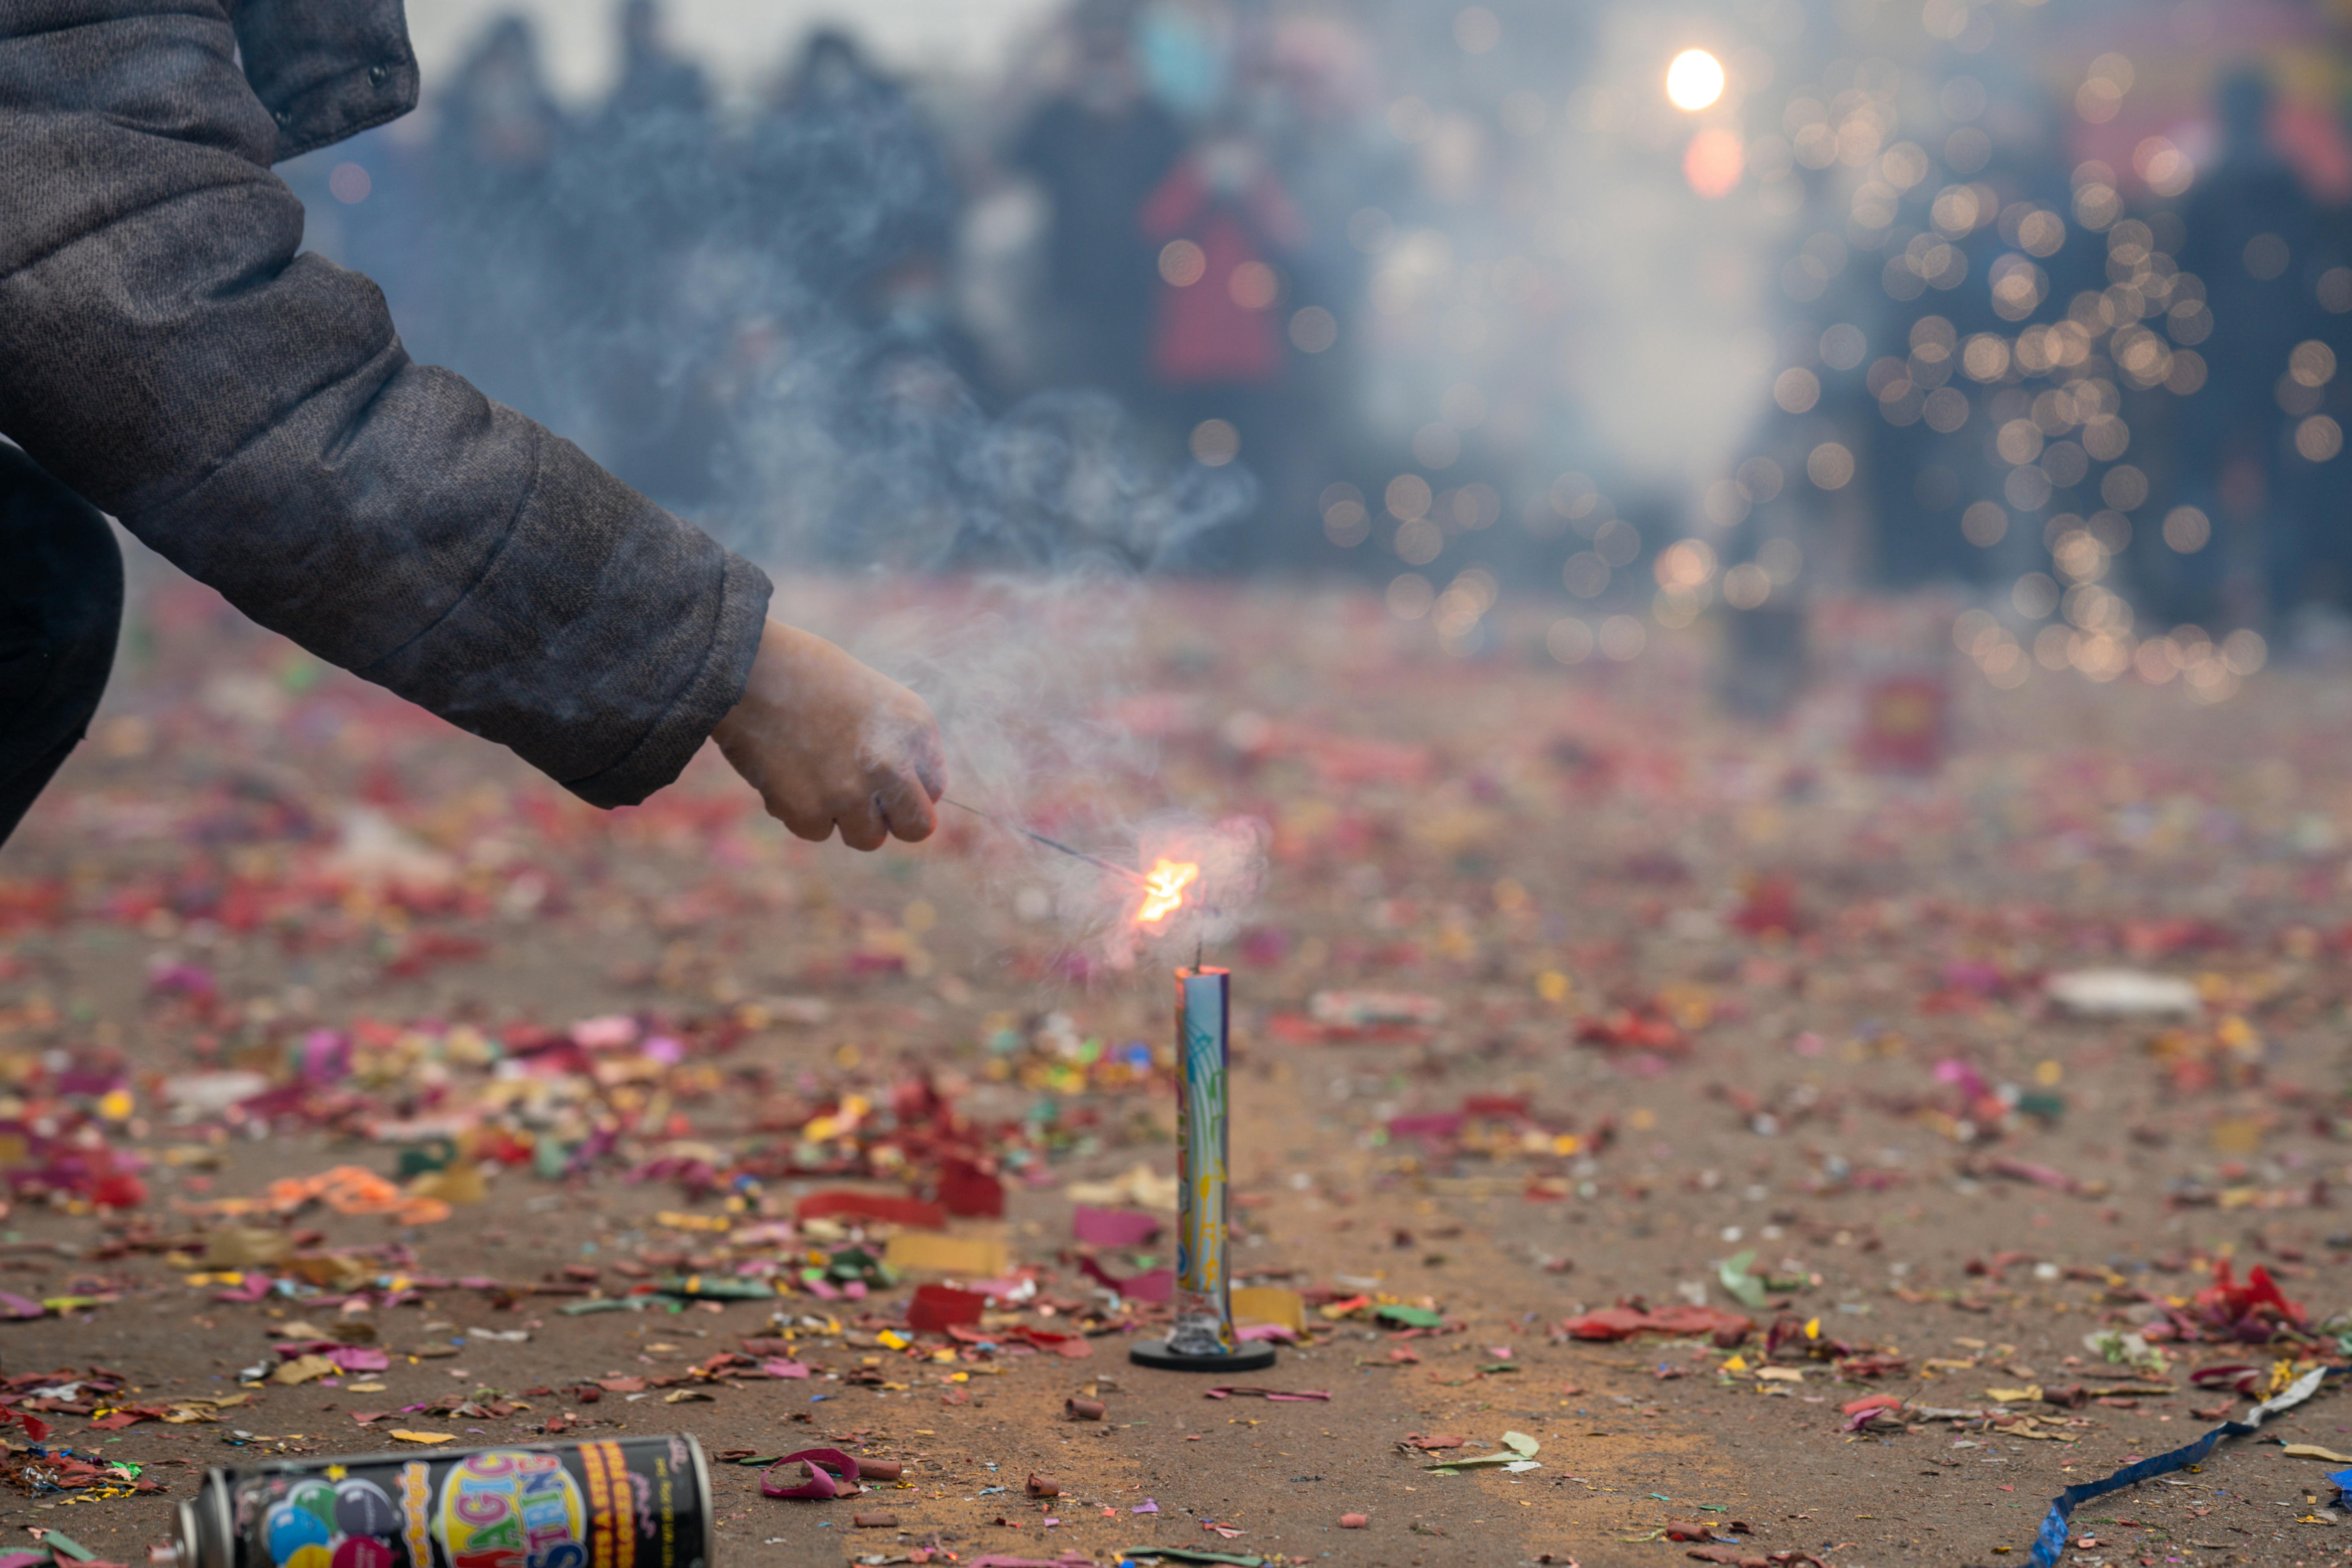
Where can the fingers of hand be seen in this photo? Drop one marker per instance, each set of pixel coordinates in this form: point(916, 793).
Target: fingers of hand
point(931, 764)
point(862, 824)
point(907, 807)
point(812, 823)
point(926, 749)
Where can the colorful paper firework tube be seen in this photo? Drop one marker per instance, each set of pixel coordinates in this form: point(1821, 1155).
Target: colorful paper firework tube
point(1204, 1318)
point(632, 1502)
point(1202, 1338)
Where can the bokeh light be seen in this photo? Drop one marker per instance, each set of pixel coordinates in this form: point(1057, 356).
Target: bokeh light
point(1695, 81)
point(1713, 162)
point(1314, 330)
point(1569, 640)
point(1215, 442)
point(1410, 596)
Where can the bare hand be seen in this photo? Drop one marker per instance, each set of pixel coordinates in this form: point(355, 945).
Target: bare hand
point(829, 743)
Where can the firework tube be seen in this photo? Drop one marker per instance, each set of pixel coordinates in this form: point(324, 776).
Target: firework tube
point(1204, 1317)
point(626, 1502)
point(1202, 1339)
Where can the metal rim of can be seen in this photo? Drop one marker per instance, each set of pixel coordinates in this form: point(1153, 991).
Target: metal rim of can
point(184, 1533)
point(196, 1546)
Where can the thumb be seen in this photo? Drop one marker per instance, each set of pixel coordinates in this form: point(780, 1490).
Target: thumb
point(930, 762)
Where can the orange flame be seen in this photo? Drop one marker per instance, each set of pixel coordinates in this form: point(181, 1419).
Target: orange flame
point(1164, 890)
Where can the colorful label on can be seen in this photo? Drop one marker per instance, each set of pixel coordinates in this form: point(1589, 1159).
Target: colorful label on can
point(512, 1508)
point(1203, 1324)
point(630, 1503)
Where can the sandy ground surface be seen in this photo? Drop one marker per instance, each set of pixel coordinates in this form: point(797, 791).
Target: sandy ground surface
point(1714, 988)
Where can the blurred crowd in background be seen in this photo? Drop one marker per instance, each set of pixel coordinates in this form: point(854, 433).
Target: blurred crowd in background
point(2046, 304)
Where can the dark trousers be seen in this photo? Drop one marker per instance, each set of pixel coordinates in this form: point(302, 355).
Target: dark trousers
point(60, 608)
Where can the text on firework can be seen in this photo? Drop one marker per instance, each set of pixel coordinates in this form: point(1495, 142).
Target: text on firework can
point(631, 1502)
point(1204, 1318)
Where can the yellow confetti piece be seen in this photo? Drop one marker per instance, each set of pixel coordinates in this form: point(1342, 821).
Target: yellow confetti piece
point(406, 1436)
point(967, 1256)
point(1270, 1304)
point(304, 1369)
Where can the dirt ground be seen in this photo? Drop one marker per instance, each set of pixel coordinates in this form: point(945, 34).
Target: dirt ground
point(1717, 989)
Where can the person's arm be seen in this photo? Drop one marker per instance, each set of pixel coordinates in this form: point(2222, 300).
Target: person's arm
point(250, 414)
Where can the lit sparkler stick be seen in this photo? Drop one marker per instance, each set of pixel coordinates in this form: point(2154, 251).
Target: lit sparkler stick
point(1034, 837)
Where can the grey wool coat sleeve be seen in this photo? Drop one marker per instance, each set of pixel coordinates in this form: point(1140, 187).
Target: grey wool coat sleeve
point(250, 414)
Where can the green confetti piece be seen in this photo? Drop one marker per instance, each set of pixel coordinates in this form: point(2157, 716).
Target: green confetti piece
point(716, 1287)
point(1743, 1285)
point(1412, 1317)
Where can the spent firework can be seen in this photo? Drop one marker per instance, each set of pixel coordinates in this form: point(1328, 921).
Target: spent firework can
point(629, 1503)
point(1204, 1318)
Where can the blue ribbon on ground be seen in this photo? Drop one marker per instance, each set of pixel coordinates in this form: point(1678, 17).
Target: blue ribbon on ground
point(2052, 1541)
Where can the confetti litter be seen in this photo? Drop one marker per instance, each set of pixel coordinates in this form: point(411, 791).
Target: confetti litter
point(2051, 1539)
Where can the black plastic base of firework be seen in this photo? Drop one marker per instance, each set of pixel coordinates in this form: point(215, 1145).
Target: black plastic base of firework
point(1155, 1352)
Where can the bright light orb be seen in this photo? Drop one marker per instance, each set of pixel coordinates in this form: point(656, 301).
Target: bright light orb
point(1695, 81)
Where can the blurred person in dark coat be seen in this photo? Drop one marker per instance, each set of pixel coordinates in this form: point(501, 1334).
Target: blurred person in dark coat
point(849, 181)
point(496, 136)
point(167, 357)
point(2252, 233)
point(642, 195)
point(1099, 149)
point(654, 79)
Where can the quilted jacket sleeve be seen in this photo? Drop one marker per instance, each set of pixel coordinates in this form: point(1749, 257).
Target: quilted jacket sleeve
point(251, 413)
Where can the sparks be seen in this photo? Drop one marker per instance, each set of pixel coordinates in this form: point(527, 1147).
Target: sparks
point(1164, 890)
